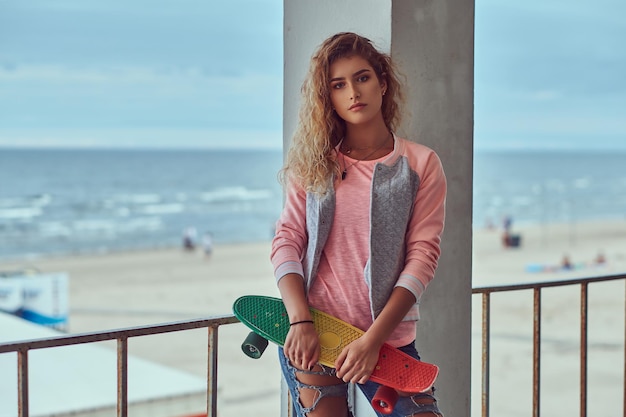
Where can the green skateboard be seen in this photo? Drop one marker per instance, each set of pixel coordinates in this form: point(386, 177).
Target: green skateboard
point(395, 370)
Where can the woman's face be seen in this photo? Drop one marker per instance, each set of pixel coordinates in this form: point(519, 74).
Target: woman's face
point(356, 93)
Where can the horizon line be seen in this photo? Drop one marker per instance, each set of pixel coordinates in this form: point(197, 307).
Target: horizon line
point(276, 148)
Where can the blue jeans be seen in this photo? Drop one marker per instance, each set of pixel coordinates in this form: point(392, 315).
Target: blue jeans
point(406, 406)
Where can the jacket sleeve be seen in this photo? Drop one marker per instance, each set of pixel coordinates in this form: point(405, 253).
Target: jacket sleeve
point(290, 240)
point(425, 227)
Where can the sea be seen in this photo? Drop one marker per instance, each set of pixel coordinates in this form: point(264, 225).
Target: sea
point(58, 202)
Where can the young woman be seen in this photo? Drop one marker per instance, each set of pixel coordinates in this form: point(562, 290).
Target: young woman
point(360, 231)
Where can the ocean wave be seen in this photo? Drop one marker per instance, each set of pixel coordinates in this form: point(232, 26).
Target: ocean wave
point(95, 225)
point(114, 227)
point(522, 201)
point(228, 194)
point(162, 208)
point(143, 223)
point(109, 227)
point(554, 184)
point(582, 183)
point(146, 198)
point(20, 213)
point(54, 229)
point(37, 200)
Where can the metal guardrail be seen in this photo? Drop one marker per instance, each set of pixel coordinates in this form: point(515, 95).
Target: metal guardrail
point(213, 323)
point(121, 335)
point(537, 288)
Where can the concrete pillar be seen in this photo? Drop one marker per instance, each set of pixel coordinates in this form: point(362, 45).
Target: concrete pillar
point(432, 41)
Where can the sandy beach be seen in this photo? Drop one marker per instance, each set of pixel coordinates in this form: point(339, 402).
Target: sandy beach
point(119, 290)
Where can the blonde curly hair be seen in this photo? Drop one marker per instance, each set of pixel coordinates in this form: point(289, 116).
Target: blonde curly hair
point(312, 159)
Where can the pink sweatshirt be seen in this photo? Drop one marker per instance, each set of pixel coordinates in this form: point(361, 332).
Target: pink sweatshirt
point(339, 287)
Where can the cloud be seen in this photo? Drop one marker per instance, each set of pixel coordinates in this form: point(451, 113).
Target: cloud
point(161, 138)
point(125, 75)
point(58, 96)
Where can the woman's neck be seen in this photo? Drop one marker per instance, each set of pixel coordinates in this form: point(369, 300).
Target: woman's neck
point(365, 136)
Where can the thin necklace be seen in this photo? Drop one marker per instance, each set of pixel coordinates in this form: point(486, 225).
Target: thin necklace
point(345, 168)
point(347, 151)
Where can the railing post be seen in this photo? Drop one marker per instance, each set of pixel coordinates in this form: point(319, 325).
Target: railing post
point(485, 352)
point(536, 351)
point(212, 373)
point(22, 382)
point(583, 348)
point(122, 377)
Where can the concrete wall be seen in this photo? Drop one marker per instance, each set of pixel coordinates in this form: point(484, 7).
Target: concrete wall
point(432, 41)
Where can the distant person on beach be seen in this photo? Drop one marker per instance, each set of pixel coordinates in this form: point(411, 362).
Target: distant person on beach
point(359, 236)
point(207, 244)
point(189, 238)
point(507, 223)
point(566, 263)
point(600, 259)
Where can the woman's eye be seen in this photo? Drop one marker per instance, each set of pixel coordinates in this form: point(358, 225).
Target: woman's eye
point(363, 78)
point(337, 86)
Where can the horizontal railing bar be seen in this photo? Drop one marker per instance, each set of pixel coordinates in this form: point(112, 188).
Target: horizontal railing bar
point(100, 336)
point(530, 286)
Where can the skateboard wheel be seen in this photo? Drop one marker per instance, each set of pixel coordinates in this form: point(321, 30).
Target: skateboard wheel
point(385, 399)
point(254, 345)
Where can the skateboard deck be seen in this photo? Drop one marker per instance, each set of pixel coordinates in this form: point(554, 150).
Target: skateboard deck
point(267, 317)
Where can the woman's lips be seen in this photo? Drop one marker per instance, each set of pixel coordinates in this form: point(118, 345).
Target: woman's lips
point(357, 106)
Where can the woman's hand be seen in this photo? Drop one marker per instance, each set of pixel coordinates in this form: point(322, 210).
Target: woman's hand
point(302, 346)
point(357, 360)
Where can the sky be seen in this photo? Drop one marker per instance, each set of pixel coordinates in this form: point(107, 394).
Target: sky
point(208, 74)
point(550, 74)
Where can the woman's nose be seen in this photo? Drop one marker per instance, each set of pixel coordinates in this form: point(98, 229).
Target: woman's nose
point(355, 93)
